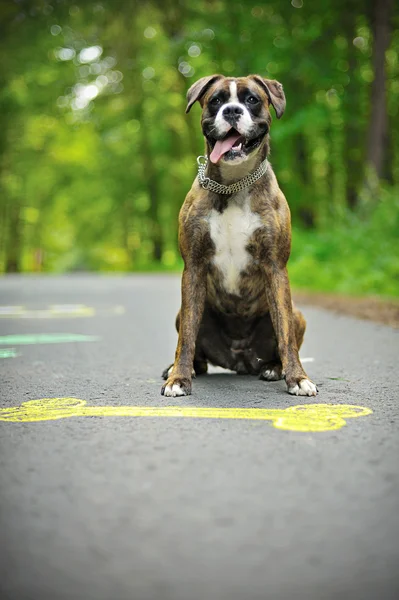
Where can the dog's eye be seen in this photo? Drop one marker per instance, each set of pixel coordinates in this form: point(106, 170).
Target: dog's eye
point(252, 100)
point(216, 101)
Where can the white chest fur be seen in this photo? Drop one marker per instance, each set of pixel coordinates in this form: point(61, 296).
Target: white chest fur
point(230, 232)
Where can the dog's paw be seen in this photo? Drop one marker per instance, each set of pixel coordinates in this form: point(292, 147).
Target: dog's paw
point(176, 386)
point(304, 387)
point(168, 372)
point(271, 372)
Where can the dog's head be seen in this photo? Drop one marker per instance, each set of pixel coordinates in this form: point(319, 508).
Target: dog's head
point(235, 114)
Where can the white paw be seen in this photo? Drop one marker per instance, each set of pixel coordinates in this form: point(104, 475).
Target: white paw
point(271, 375)
point(304, 388)
point(174, 390)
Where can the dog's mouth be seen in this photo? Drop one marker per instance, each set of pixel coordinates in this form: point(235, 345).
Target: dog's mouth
point(233, 145)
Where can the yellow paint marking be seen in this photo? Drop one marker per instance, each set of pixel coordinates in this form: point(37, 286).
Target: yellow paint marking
point(305, 417)
point(14, 311)
point(71, 310)
point(58, 311)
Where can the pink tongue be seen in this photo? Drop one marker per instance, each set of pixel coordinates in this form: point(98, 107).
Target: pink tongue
point(223, 146)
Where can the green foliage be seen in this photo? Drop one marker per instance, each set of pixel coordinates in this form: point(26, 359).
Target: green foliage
point(356, 255)
point(97, 154)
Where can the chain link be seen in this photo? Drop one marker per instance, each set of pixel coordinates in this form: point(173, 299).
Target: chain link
point(219, 188)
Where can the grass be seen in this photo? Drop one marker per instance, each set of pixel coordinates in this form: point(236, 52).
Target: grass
point(357, 255)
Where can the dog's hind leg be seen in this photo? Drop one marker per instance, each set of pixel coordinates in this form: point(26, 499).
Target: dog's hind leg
point(211, 344)
point(200, 366)
point(272, 370)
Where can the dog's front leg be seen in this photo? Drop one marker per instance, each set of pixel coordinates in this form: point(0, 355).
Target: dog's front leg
point(280, 307)
point(193, 291)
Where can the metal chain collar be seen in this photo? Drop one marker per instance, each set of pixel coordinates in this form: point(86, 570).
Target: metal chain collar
point(219, 188)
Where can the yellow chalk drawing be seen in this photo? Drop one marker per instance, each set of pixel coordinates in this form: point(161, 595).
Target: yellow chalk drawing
point(305, 417)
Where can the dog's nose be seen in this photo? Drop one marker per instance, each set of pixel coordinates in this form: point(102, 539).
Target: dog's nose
point(233, 111)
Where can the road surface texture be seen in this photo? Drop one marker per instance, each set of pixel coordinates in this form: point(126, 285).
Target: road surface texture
point(96, 506)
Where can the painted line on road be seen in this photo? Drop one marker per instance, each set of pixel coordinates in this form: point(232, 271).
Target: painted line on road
point(8, 353)
point(58, 311)
point(305, 417)
point(45, 338)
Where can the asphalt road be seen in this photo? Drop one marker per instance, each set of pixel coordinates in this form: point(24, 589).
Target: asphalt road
point(169, 508)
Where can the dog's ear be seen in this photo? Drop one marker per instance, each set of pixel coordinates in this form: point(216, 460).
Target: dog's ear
point(275, 91)
point(198, 89)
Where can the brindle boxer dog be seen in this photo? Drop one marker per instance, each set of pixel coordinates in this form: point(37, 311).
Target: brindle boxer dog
point(235, 240)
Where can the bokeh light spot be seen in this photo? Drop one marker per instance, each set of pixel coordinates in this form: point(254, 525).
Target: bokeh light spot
point(90, 91)
point(101, 81)
point(90, 54)
point(208, 34)
point(65, 53)
point(148, 72)
point(194, 50)
point(109, 62)
point(186, 69)
point(359, 42)
point(150, 32)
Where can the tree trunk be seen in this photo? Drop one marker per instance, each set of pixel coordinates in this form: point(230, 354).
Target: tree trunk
point(13, 255)
point(150, 178)
point(377, 134)
point(305, 212)
point(151, 181)
point(354, 130)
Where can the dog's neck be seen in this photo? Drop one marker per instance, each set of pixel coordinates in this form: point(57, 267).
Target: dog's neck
point(227, 174)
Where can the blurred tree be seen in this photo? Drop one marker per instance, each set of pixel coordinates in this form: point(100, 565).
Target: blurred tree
point(97, 154)
point(377, 133)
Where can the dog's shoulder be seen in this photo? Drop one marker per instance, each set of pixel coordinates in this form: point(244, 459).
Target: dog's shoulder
point(273, 238)
point(269, 201)
point(194, 234)
point(196, 205)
